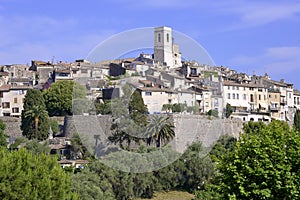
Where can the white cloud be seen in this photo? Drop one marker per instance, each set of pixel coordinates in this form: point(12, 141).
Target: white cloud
point(256, 13)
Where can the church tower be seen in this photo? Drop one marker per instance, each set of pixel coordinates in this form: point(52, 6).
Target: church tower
point(163, 45)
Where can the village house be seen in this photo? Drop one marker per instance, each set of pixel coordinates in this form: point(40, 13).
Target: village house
point(155, 98)
point(12, 99)
point(296, 99)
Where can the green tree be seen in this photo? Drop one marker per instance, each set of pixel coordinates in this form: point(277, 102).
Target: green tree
point(213, 113)
point(35, 120)
point(297, 120)
point(54, 126)
point(103, 108)
point(224, 144)
point(60, 96)
point(167, 108)
point(32, 146)
point(24, 175)
point(228, 110)
point(137, 109)
point(36, 112)
point(88, 185)
point(178, 107)
point(36, 147)
point(129, 117)
point(264, 164)
point(78, 149)
point(3, 137)
point(160, 130)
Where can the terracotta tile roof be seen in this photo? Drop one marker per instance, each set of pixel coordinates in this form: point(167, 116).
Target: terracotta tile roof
point(230, 83)
point(154, 89)
point(5, 87)
point(4, 73)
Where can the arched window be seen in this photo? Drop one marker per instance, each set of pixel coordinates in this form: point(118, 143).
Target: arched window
point(168, 37)
point(159, 37)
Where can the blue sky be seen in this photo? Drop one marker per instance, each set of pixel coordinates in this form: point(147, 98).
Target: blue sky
point(249, 36)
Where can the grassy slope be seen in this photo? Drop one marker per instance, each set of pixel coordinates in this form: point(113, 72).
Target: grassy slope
point(172, 195)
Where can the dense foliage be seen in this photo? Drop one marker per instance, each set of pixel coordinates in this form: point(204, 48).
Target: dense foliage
point(35, 120)
point(61, 95)
point(98, 181)
point(213, 113)
point(179, 107)
point(129, 118)
point(264, 164)
point(24, 175)
point(228, 110)
point(3, 137)
point(297, 120)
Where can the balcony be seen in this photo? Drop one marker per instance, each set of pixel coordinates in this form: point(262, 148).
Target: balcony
point(198, 97)
point(274, 109)
point(283, 103)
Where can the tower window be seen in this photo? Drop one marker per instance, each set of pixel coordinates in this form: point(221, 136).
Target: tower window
point(159, 37)
point(167, 37)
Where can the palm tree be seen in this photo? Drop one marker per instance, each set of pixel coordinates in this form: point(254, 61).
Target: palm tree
point(160, 130)
point(36, 112)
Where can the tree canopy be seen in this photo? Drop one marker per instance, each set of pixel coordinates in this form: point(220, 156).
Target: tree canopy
point(35, 120)
point(264, 164)
point(297, 120)
point(228, 110)
point(3, 137)
point(59, 97)
point(24, 175)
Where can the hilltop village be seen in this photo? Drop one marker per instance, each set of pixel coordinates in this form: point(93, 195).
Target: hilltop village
point(163, 79)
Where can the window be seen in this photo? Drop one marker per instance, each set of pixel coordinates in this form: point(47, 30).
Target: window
point(270, 96)
point(159, 37)
point(168, 37)
point(251, 88)
point(228, 96)
point(251, 98)
point(237, 88)
point(15, 110)
point(148, 93)
point(275, 96)
point(233, 96)
point(228, 87)
point(244, 88)
point(216, 103)
point(237, 96)
point(290, 95)
point(260, 89)
point(1, 94)
point(6, 105)
point(259, 97)
point(245, 96)
point(15, 100)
